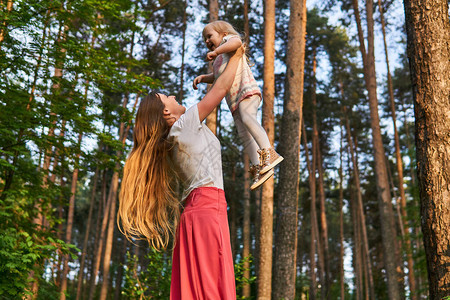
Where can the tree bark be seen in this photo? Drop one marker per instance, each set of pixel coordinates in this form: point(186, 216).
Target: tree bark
point(246, 227)
point(428, 32)
point(341, 216)
point(211, 119)
point(233, 219)
point(183, 52)
point(246, 235)
point(388, 233)
point(313, 217)
point(359, 207)
point(119, 277)
point(101, 238)
point(70, 214)
point(87, 233)
point(357, 259)
point(325, 270)
point(266, 208)
point(9, 7)
point(287, 202)
point(399, 165)
point(246, 24)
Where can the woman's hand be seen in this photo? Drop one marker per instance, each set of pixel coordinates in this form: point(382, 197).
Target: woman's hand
point(239, 52)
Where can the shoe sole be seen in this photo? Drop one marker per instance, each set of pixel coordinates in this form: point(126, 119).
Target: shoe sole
point(272, 165)
point(263, 179)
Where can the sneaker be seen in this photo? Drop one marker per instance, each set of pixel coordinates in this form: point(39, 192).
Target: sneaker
point(257, 177)
point(269, 159)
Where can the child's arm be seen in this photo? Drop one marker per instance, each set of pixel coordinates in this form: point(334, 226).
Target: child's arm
point(205, 78)
point(221, 86)
point(229, 46)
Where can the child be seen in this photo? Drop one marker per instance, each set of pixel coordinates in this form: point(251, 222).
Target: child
point(243, 99)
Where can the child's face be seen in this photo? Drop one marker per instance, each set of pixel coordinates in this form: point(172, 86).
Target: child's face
point(212, 38)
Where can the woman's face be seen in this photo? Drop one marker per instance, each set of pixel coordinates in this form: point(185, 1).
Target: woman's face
point(212, 38)
point(172, 109)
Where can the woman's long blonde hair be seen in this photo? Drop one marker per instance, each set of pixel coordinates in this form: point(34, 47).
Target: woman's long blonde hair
point(148, 208)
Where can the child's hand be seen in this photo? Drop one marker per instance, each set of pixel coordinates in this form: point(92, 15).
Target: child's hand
point(211, 55)
point(197, 80)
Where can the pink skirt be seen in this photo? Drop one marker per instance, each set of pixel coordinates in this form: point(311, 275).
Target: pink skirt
point(202, 265)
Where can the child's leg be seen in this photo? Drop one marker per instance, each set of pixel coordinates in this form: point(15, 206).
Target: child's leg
point(269, 157)
point(248, 109)
point(250, 146)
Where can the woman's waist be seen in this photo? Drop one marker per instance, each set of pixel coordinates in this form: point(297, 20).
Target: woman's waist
point(206, 198)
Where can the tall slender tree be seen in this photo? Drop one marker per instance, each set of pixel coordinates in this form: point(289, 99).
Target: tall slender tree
point(211, 119)
point(341, 215)
point(387, 218)
point(428, 31)
point(399, 164)
point(266, 207)
point(287, 200)
point(314, 241)
point(246, 237)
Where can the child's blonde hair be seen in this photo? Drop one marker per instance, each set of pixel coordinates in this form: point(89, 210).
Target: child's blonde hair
point(222, 27)
point(225, 27)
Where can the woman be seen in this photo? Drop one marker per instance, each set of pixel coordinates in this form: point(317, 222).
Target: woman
point(170, 139)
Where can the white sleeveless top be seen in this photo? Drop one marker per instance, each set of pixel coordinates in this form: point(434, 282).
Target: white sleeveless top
point(196, 155)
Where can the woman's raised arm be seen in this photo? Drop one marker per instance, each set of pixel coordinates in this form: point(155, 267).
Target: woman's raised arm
point(221, 86)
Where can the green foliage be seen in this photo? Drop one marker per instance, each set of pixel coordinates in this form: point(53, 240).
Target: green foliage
point(48, 290)
point(241, 281)
point(151, 281)
point(23, 247)
point(302, 282)
point(150, 278)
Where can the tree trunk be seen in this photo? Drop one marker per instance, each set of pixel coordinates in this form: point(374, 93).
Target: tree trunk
point(119, 277)
point(320, 256)
point(70, 214)
point(287, 202)
point(246, 235)
point(313, 217)
point(388, 233)
point(341, 216)
point(86, 235)
point(112, 199)
point(4, 26)
point(211, 119)
point(428, 31)
point(101, 238)
point(246, 24)
point(357, 260)
point(183, 52)
point(246, 227)
point(401, 188)
point(325, 270)
point(359, 206)
point(266, 208)
point(233, 219)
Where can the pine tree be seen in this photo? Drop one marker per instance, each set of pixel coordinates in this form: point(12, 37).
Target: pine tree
point(428, 30)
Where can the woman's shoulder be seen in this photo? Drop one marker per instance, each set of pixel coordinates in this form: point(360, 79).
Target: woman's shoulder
point(188, 121)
